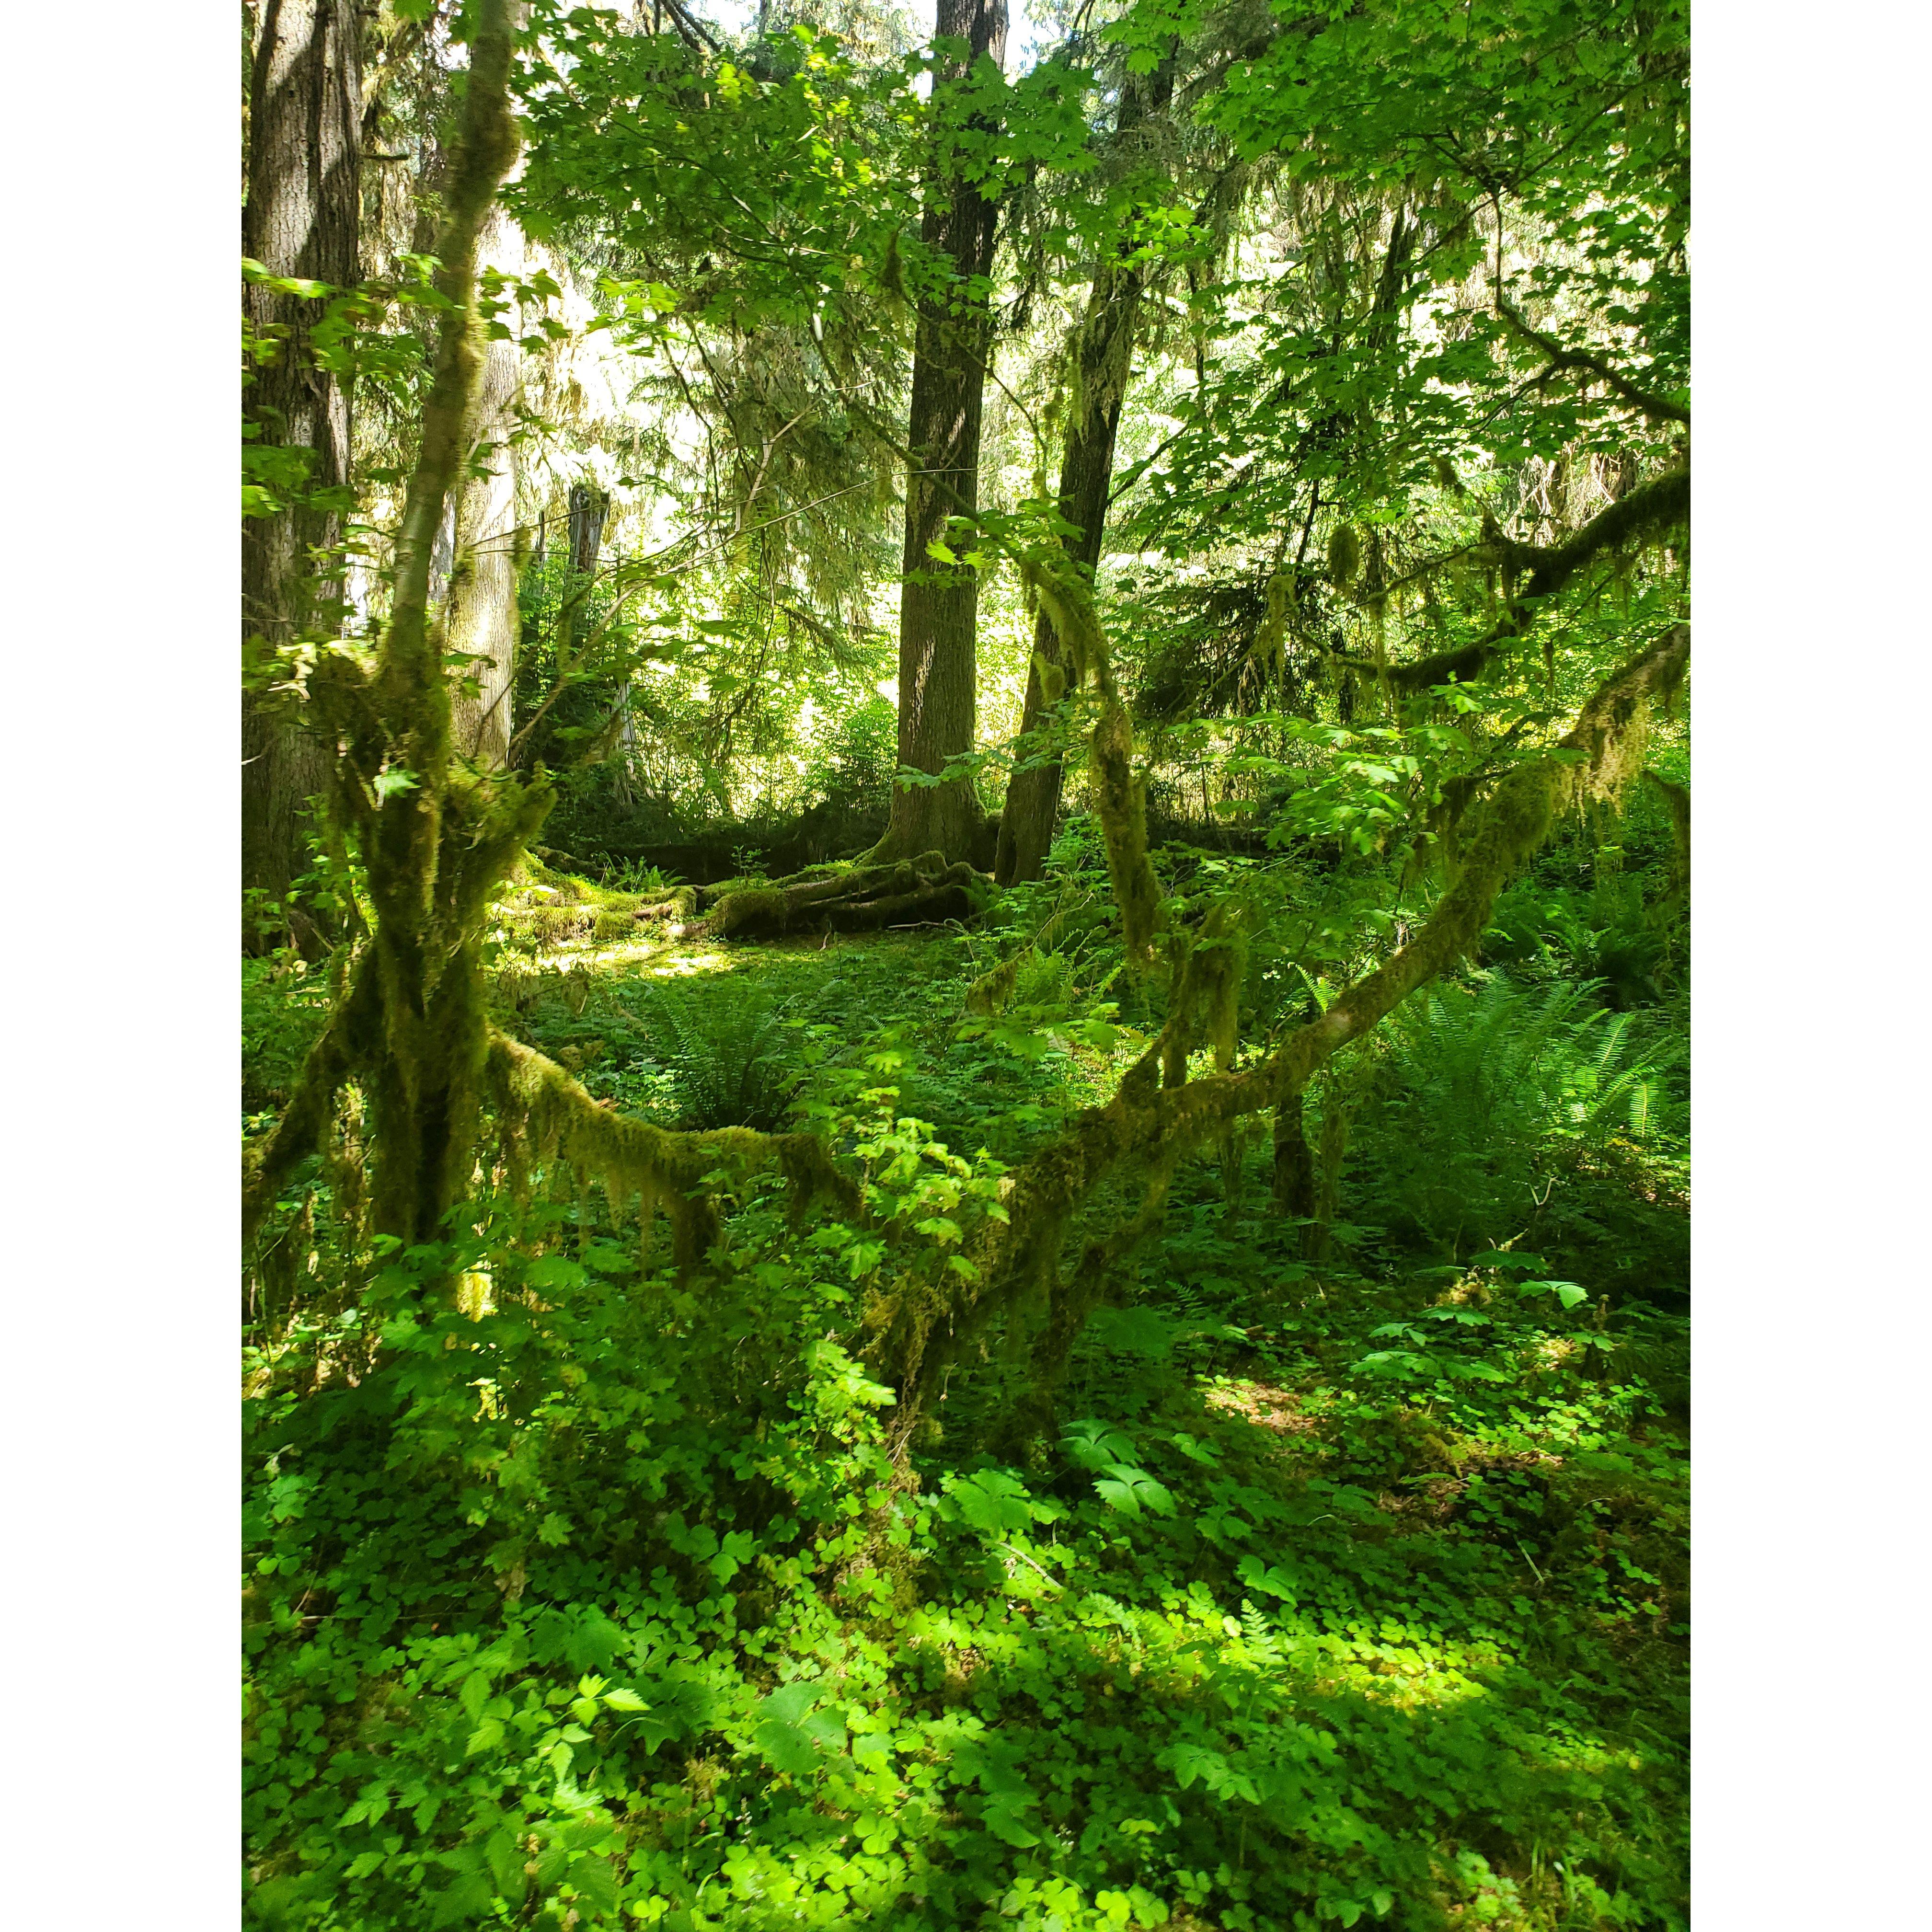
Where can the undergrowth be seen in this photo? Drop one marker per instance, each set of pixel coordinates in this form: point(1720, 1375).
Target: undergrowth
point(1348, 1586)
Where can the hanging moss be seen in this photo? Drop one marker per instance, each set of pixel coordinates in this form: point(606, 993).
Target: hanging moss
point(1345, 555)
point(1677, 801)
point(992, 990)
point(543, 1117)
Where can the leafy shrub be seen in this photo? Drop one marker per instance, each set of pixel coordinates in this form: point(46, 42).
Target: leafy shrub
point(573, 1609)
point(1606, 936)
point(853, 762)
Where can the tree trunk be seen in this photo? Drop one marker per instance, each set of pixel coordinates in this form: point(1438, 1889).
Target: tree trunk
point(1103, 352)
point(1103, 355)
point(301, 219)
point(939, 604)
point(482, 620)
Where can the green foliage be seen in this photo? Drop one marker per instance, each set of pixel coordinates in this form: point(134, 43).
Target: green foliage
point(1491, 1108)
point(584, 1604)
point(728, 1055)
point(854, 761)
point(1278, 1570)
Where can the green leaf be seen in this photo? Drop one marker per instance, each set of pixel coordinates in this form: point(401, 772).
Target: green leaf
point(475, 1694)
point(1093, 1444)
point(1004, 1817)
point(487, 1736)
point(1132, 1490)
point(993, 1502)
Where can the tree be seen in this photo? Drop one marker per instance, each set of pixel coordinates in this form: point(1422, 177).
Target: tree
point(438, 837)
point(939, 602)
point(408, 1023)
point(482, 623)
point(300, 223)
point(1101, 352)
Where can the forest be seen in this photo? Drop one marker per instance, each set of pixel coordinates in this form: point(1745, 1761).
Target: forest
point(965, 964)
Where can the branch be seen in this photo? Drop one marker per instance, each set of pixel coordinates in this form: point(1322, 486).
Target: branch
point(1646, 512)
point(1144, 1121)
point(1659, 408)
point(543, 1113)
point(409, 674)
point(298, 1133)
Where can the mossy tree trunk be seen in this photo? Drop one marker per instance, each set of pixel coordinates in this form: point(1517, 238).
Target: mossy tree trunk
point(301, 219)
point(409, 1026)
point(939, 603)
point(1103, 355)
point(438, 836)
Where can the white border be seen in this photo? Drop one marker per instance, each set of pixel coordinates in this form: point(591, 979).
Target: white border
point(1811, 1029)
point(120, 144)
point(118, 1379)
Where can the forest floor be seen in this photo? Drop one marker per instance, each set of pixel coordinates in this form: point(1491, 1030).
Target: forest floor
point(1353, 1590)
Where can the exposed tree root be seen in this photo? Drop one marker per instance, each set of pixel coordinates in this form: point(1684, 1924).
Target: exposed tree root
point(925, 891)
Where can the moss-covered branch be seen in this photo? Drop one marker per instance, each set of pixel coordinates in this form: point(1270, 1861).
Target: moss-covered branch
point(1644, 515)
point(1119, 795)
point(542, 1115)
point(1562, 357)
point(1146, 1121)
point(299, 1133)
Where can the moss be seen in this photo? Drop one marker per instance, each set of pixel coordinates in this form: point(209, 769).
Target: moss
point(1345, 555)
point(1158, 1123)
point(1677, 800)
point(862, 898)
point(992, 990)
point(544, 1117)
point(1119, 802)
point(742, 911)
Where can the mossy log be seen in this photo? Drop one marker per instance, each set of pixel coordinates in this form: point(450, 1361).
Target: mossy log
point(542, 1114)
point(925, 891)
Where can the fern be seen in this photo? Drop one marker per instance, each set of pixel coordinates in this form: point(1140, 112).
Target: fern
point(727, 1051)
point(1485, 1100)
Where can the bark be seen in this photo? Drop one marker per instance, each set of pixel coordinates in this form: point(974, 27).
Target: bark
point(482, 620)
point(939, 604)
point(1103, 356)
point(588, 509)
point(1294, 1180)
point(302, 219)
